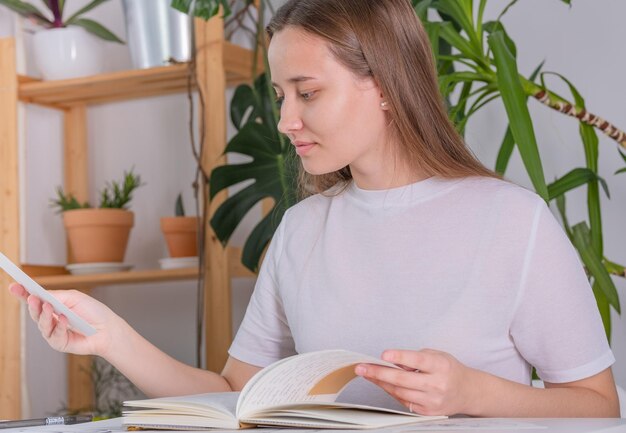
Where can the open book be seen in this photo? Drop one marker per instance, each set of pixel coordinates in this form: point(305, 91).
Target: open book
point(298, 391)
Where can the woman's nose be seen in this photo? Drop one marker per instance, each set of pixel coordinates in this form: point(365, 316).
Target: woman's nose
point(290, 120)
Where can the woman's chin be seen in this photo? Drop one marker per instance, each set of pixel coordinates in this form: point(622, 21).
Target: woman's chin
point(317, 170)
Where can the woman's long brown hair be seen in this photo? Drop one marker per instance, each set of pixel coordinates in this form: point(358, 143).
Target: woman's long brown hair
point(384, 40)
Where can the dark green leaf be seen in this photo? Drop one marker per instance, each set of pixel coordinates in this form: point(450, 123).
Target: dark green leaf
point(582, 241)
point(505, 152)
point(258, 240)
point(179, 208)
point(27, 10)
point(560, 204)
point(572, 180)
point(181, 5)
point(604, 308)
point(90, 6)
point(452, 36)
point(421, 9)
point(508, 143)
point(614, 268)
point(97, 30)
point(272, 171)
point(520, 122)
point(621, 170)
point(494, 26)
point(463, 18)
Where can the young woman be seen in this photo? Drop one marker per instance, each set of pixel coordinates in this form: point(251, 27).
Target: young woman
point(411, 248)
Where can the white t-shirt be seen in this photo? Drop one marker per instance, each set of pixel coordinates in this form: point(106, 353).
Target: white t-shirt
point(475, 267)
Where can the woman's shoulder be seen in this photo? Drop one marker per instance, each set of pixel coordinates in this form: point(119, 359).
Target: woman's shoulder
point(503, 191)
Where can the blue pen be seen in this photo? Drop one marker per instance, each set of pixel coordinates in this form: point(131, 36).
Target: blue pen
point(51, 420)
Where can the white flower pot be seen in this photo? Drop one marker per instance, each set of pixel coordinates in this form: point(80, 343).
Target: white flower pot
point(67, 52)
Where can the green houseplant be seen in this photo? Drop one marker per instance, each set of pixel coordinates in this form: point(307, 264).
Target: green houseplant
point(477, 64)
point(99, 235)
point(57, 21)
point(180, 232)
point(65, 47)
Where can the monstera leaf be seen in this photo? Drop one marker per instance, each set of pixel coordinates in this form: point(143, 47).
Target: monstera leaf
point(271, 172)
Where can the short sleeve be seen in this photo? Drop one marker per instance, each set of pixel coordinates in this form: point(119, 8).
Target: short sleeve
point(264, 335)
point(556, 325)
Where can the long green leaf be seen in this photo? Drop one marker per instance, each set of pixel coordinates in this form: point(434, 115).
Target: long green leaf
point(97, 30)
point(463, 17)
point(505, 152)
point(590, 142)
point(90, 6)
point(27, 10)
point(514, 100)
point(604, 308)
point(450, 35)
point(561, 206)
point(572, 180)
point(508, 143)
point(495, 26)
point(582, 241)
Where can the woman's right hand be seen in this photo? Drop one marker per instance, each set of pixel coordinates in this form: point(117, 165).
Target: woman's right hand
point(55, 329)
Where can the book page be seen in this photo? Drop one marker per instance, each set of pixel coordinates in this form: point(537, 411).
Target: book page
point(215, 405)
point(310, 377)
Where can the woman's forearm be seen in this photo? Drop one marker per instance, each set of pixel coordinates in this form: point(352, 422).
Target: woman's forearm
point(497, 397)
point(153, 371)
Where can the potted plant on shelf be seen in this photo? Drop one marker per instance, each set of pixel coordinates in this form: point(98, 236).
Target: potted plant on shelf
point(181, 232)
point(65, 48)
point(99, 235)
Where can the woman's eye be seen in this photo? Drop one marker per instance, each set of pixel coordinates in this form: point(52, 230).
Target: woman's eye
point(279, 100)
point(307, 95)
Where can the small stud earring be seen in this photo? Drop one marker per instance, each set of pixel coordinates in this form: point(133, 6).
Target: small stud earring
point(383, 104)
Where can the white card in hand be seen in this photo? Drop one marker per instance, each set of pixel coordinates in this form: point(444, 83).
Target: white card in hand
point(35, 289)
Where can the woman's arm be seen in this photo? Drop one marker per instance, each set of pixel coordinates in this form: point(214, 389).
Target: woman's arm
point(435, 383)
point(157, 374)
point(151, 370)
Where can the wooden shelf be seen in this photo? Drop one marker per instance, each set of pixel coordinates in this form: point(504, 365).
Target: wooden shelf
point(57, 277)
point(133, 84)
point(126, 277)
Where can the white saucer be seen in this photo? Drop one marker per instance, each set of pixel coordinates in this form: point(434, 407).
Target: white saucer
point(178, 262)
point(97, 268)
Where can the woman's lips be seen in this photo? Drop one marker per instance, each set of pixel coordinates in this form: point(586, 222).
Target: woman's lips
point(303, 147)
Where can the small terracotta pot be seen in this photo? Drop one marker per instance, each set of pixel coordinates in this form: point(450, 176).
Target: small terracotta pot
point(181, 235)
point(98, 235)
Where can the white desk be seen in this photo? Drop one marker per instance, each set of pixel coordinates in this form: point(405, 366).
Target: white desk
point(458, 425)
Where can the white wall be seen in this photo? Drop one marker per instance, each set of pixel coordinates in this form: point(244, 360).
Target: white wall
point(585, 43)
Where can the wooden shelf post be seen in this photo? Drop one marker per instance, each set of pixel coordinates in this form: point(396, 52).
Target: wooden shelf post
point(212, 81)
point(10, 323)
point(80, 386)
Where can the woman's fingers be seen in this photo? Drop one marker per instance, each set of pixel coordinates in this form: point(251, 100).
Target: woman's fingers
point(34, 307)
point(425, 360)
point(18, 290)
point(59, 337)
point(46, 321)
point(393, 376)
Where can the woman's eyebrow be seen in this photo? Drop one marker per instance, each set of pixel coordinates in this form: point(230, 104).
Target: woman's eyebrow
point(296, 79)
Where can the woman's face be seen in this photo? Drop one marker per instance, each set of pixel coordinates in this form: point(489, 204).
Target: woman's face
point(333, 118)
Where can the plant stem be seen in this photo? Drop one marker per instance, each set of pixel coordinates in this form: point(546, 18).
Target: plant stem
point(56, 12)
point(561, 105)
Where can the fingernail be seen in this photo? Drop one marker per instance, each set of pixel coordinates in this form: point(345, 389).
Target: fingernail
point(360, 370)
point(388, 356)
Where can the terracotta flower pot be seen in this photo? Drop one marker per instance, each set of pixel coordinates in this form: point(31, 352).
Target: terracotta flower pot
point(98, 235)
point(181, 235)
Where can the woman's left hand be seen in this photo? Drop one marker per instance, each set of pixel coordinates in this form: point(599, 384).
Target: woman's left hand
point(430, 382)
